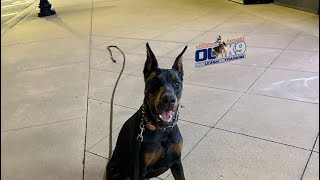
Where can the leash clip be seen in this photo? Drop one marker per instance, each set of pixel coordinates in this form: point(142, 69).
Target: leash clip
point(140, 136)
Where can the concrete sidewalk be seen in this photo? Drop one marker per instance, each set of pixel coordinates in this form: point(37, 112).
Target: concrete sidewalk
point(11, 8)
point(253, 119)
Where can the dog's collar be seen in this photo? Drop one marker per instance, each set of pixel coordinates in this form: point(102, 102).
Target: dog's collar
point(152, 126)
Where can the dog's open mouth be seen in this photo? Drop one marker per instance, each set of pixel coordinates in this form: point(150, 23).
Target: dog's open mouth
point(166, 116)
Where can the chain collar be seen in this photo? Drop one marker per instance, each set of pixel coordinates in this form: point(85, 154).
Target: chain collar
point(152, 126)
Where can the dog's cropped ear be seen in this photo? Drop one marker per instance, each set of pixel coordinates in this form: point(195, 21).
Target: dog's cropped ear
point(151, 63)
point(178, 63)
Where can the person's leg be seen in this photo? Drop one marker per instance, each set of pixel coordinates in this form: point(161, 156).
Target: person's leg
point(45, 9)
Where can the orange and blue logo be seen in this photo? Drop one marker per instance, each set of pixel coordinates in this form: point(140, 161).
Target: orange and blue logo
point(220, 51)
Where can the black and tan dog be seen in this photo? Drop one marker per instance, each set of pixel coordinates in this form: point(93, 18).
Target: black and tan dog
point(220, 49)
point(162, 142)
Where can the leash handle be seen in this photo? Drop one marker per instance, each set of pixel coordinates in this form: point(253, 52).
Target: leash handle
point(112, 96)
point(111, 56)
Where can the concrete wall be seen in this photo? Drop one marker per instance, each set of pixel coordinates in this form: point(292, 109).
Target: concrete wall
point(305, 5)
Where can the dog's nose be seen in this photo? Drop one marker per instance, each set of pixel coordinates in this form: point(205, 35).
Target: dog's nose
point(168, 99)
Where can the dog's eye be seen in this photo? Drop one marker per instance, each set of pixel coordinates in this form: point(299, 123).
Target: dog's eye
point(177, 84)
point(153, 86)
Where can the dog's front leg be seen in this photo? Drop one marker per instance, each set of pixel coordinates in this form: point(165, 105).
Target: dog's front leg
point(177, 171)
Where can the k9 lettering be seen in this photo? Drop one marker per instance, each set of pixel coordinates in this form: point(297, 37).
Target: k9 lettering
point(234, 49)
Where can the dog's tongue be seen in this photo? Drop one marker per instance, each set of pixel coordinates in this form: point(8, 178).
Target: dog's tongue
point(166, 116)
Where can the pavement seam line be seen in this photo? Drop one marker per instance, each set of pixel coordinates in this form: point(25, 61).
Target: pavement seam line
point(43, 124)
point(242, 94)
point(279, 68)
point(305, 167)
point(242, 134)
point(204, 86)
point(36, 41)
point(282, 98)
point(192, 148)
point(106, 102)
point(111, 71)
point(103, 138)
point(96, 154)
point(263, 139)
point(48, 67)
point(87, 103)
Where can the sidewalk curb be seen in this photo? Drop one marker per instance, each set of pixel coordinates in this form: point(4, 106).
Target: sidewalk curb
point(13, 21)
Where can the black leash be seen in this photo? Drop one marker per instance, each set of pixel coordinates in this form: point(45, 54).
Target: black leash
point(137, 148)
point(139, 137)
point(112, 96)
point(137, 160)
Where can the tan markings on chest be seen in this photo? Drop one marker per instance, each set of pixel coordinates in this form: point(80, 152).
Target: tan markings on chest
point(151, 158)
point(177, 148)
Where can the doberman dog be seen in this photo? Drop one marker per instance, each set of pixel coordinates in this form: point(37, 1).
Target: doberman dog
point(220, 49)
point(161, 147)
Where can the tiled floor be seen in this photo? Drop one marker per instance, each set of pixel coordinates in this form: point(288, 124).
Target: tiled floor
point(252, 119)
